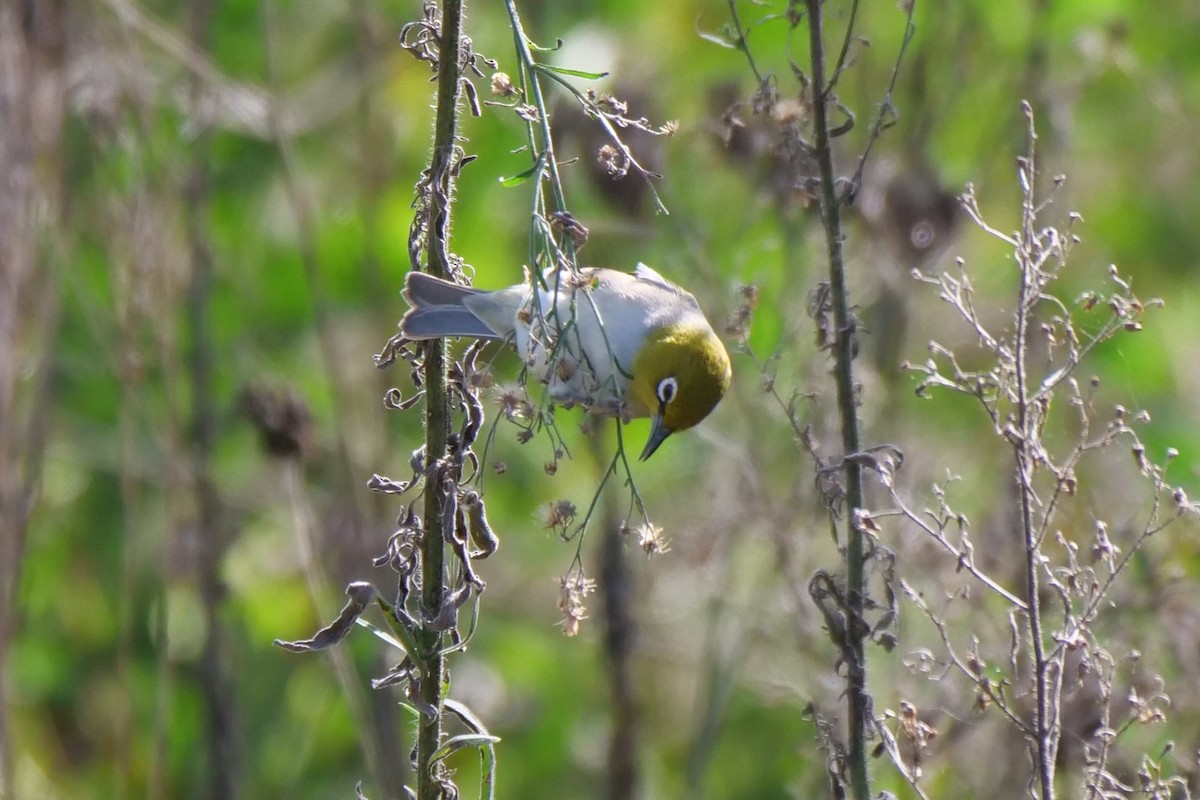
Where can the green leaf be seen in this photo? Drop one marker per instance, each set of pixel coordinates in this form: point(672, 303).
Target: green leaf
point(577, 73)
point(517, 180)
point(720, 41)
point(558, 43)
point(384, 635)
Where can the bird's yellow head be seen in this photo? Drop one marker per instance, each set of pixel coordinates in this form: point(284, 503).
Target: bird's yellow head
point(679, 375)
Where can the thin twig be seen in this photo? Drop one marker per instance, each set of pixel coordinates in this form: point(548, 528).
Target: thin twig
point(887, 111)
point(1024, 450)
point(742, 43)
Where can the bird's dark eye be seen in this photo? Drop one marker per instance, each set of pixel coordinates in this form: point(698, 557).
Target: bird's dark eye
point(666, 390)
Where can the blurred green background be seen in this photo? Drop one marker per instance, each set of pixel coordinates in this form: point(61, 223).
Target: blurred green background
point(206, 210)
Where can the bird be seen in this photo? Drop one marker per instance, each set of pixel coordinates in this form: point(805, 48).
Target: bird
point(618, 343)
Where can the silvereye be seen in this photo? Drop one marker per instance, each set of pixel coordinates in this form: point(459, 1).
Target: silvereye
point(619, 343)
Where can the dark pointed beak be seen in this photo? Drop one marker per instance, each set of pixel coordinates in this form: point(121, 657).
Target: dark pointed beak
point(658, 434)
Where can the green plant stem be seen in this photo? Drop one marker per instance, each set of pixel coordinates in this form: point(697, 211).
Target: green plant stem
point(533, 92)
point(858, 706)
point(541, 141)
point(742, 43)
point(437, 408)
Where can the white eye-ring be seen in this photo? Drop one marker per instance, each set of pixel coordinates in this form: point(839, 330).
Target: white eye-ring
point(666, 390)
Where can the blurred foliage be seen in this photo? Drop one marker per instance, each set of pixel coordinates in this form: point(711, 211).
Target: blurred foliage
point(104, 675)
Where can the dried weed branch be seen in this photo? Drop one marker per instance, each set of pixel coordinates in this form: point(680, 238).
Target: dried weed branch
point(807, 129)
point(1055, 648)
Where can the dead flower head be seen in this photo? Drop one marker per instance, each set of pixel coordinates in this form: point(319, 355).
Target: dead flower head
point(560, 514)
point(573, 589)
point(502, 85)
point(613, 161)
point(513, 402)
point(650, 539)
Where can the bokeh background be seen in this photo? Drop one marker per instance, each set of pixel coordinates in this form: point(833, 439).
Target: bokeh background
point(205, 214)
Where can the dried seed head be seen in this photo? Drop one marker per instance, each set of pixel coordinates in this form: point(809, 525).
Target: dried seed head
point(651, 540)
point(560, 514)
point(573, 590)
point(502, 85)
point(610, 104)
point(514, 405)
point(612, 161)
point(564, 222)
point(739, 322)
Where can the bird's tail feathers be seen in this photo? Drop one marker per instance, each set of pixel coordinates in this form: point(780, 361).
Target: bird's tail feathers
point(423, 289)
point(434, 322)
point(437, 310)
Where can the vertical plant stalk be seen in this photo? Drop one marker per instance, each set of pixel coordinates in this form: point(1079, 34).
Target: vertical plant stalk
point(374, 176)
point(1025, 450)
point(620, 637)
point(307, 219)
point(133, 268)
point(855, 630)
point(375, 165)
point(32, 44)
point(373, 727)
point(619, 634)
point(16, 264)
point(224, 752)
point(437, 407)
